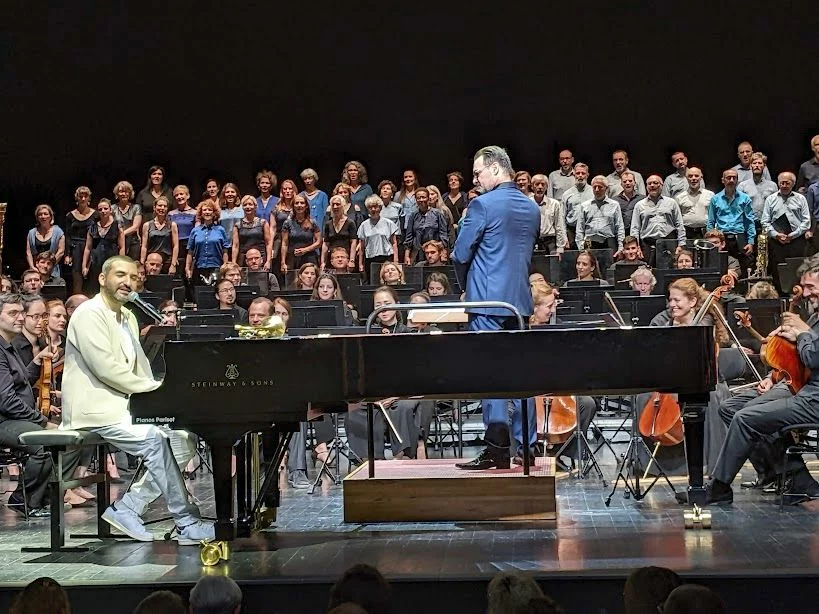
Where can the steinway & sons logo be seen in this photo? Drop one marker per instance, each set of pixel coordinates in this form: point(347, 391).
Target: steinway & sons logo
point(232, 380)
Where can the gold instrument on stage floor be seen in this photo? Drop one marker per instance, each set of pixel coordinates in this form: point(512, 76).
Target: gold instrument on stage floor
point(213, 552)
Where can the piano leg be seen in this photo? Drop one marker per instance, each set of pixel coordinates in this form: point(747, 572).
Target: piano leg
point(524, 417)
point(221, 453)
point(694, 422)
point(370, 441)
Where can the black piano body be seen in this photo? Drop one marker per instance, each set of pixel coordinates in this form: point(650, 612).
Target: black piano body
point(223, 389)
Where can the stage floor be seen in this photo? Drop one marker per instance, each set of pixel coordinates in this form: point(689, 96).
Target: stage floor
point(311, 543)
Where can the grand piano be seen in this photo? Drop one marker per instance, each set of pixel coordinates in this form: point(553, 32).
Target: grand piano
point(221, 390)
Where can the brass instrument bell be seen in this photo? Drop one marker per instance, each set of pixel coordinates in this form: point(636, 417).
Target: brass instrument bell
point(214, 552)
point(272, 327)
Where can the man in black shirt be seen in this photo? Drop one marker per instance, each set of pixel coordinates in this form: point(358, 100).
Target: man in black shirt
point(226, 295)
point(18, 413)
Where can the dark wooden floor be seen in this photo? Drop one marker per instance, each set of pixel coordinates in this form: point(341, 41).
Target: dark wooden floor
point(311, 543)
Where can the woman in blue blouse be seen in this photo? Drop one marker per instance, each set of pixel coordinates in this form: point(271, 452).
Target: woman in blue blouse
point(207, 245)
point(317, 199)
point(184, 216)
point(267, 182)
point(355, 175)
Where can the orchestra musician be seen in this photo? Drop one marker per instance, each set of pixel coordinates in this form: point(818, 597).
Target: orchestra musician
point(760, 418)
point(104, 365)
point(587, 269)
point(492, 256)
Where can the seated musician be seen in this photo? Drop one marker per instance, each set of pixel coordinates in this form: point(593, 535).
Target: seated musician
point(391, 274)
point(327, 289)
point(255, 264)
point(587, 269)
point(684, 259)
point(420, 298)
point(29, 342)
point(762, 417)
point(339, 260)
point(762, 289)
point(153, 264)
point(438, 284)
point(643, 281)
point(410, 417)
point(226, 295)
point(104, 365)
point(435, 254)
point(631, 253)
point(305, 277)
point(544, 297)
point(7, 285)
point(57, 323)
point(717, 238)
point(232, 272)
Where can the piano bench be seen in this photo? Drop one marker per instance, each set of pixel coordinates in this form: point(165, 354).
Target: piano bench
point(803, 439)
point(56, 442)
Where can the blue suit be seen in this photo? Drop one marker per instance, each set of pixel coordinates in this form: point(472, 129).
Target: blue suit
point(492, 256)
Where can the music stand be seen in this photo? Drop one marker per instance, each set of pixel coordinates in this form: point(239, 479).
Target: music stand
point(547, 265)
point(319, 313)
point(161, 284)
point(641, 309)
point(53, 292)
point(337, 448)
point(709, 279)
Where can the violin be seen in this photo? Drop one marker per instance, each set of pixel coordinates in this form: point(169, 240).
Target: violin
point(557, 417)
point(783, 357)
point(46, 380)
point(661, 419)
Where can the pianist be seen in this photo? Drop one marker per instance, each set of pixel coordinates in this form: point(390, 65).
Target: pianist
point(104, 365)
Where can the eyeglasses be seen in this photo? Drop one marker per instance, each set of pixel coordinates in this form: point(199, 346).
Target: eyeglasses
point(169, 312)
point(36, 316)
point(226, 291)
point(476, 174)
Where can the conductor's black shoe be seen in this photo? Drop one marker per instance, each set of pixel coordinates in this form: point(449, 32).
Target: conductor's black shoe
point(491, 458)
point(718, 493)
point(761, 482)
point(803, 488)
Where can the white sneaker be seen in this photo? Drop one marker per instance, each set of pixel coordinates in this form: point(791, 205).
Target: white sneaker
point(128, 522)
point(194, 534)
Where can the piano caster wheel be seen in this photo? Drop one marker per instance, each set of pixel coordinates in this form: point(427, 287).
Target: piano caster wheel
point(214, 552)
point(697, 517)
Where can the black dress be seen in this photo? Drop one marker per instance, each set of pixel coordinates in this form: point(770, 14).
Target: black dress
point(251, 236)
point(339, 238)
point(104, 244)
point(76, 231)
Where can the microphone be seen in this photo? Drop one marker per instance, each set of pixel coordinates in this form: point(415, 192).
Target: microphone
point(134, 298)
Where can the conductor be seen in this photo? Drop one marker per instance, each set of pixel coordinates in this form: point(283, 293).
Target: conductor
point(492, 256)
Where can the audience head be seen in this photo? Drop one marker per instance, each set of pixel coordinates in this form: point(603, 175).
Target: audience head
point(267, 182)
point(260, 308)
point(347, 608)
point(170, 311)
point(433, 252)
point(363, 585)
point(694, 599)
point(647, 588)
point(684, 259)
point(438, 284)
point(282, 308)
point(232, 272)
point(491, 167)
point(253, 259)
point(326, 288)
point(339, 259)
point(586, 266)
point(511, 592)
point(74, 301)
point(391, 274)
point(161, 602)
point(643, 281)
point(42, 595)
point(306, 276)
point(215, 595)
point(31, 282)
point(44, 215)
point(153, 263)
point(44, 262)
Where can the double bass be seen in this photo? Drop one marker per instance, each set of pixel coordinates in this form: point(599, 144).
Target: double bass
point(782, 356)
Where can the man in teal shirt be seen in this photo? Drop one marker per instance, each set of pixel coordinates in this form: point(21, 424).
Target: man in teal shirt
point(731, 211)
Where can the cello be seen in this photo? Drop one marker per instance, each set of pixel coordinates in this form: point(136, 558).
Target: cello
point(557, 417)
point(782, 356)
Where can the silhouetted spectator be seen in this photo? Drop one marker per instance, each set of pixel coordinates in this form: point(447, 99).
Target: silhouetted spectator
point(215, 595)
point(347, 608)
point(511, 593)
point(363, 585)
point(648, 587)
point(694, 599)
point(161, 602)
point(41, 596)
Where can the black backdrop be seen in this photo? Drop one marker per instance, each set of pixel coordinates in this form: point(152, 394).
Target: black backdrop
point(93, 92)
